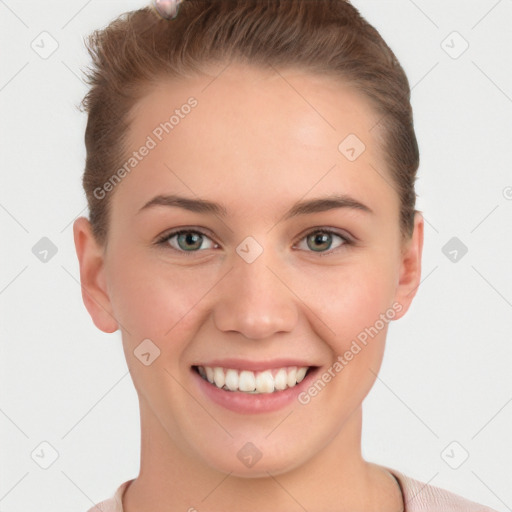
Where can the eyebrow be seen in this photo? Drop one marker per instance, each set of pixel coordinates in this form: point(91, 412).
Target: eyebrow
point(309, 206)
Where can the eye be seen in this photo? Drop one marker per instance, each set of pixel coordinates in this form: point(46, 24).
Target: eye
point(186, 240)
point(321, 240)
point(189, 240)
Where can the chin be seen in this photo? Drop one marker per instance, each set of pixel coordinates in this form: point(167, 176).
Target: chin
point(247, 460)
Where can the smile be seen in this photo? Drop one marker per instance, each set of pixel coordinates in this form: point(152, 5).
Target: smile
point(259, 382)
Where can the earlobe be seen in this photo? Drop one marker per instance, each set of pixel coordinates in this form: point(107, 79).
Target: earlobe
point(410, 267)
point(92, 277)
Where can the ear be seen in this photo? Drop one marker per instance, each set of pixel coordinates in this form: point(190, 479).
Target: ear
point(92, 276)
point(410, 267)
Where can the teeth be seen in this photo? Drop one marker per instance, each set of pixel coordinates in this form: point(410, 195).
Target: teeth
point(301, 373)
point(218, 377)
point(281, 379)
point(267, 381)
point(246, 381)
point(292, 376)
point(232, 380)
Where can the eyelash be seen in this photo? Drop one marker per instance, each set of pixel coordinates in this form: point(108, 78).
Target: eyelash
point(162, 241)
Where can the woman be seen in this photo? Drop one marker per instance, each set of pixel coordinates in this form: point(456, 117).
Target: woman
point(252, 232)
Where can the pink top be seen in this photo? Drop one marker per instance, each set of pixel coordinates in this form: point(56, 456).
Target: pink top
point(418, 497)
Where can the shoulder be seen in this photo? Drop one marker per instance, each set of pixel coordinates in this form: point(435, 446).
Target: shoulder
point(113, 504)
point(421, 497)
point(418, 497)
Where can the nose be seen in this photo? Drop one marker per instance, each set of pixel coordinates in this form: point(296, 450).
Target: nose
point(255, 299)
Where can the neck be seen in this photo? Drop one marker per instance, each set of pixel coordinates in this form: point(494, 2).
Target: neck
point(337, 477)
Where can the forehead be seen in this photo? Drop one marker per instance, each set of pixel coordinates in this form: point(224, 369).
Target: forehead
point(258, 131)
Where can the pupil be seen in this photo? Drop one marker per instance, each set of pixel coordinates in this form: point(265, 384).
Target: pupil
point(190, 239)
point(323, 238)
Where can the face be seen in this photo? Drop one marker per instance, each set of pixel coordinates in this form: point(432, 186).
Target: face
point(252, 243)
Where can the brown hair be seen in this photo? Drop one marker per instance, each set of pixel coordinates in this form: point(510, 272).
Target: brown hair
point(326, 37)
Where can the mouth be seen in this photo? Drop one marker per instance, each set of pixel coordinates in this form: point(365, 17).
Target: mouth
point(269, 381)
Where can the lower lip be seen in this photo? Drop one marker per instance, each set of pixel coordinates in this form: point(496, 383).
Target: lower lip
point(248, 403)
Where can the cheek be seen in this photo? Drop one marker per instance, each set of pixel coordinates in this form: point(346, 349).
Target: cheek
point(356, 305)
point(348, 299)
point(153, 300)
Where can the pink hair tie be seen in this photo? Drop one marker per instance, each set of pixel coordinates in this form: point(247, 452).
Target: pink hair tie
point(168, 9)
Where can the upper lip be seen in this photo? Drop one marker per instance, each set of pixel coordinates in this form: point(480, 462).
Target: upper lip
point(251, 365)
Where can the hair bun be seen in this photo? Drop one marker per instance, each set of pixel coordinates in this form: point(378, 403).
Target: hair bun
point(168, 9)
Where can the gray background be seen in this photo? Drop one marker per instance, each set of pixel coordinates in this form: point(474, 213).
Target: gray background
point(445, 387)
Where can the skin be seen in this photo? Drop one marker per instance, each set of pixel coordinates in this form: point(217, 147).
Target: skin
point(256, 145)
